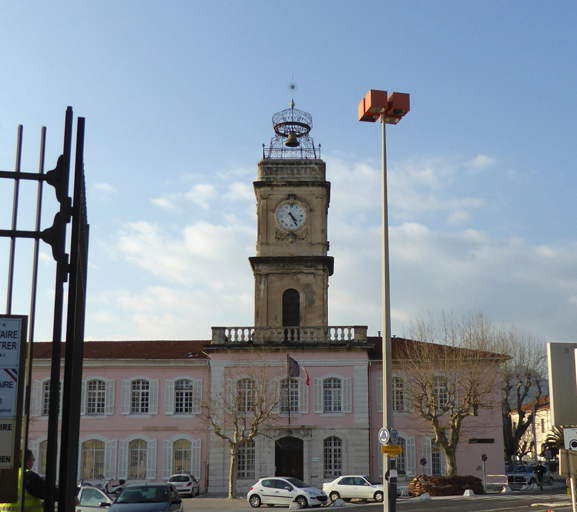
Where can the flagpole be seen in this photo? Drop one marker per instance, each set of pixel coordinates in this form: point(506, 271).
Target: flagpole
point(288, 389)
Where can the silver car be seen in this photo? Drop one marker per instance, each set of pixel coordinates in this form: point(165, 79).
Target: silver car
point(351, 487)
point(283, 491)
point(185, 484)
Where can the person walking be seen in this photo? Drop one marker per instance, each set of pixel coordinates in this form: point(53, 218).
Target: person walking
point(540, 471)
point(34, 489)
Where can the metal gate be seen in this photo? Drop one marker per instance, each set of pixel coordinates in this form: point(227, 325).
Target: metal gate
point(70, 267)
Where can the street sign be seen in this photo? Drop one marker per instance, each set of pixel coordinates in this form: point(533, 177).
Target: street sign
point(384, 436)
point(423, 461)
point(392, 449)
point(12, 340)
point(394, 435)
point(483, 457)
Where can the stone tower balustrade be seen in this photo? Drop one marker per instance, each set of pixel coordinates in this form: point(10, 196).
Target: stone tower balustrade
point(304, 335)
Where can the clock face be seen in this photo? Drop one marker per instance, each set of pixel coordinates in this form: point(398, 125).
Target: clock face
point(291, 216)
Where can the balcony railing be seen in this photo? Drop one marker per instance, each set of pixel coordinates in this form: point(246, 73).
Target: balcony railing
point(280, 335)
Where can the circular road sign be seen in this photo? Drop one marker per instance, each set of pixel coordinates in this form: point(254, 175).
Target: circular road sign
point(423, 461)
point(394, 435)
point(483, 457)
point(384, 436)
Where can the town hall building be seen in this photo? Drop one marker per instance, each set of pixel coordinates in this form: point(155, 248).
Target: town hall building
point(151, 409)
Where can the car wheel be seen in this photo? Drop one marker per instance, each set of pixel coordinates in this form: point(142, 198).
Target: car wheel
point(334, 496)
point(302, 501)
point(379, 496)
point(255, 501)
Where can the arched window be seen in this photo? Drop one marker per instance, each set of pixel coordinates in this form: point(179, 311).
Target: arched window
point(139, 397)
point(93, 460)
point(289, 396)
point(332, 395)
point(291, 308)
point(42, 449)
point(245, 395)
point(95, 396)
point(333, 452)
point(137, 452)
point(245, 462)
point(181, 457)
point(183, 396)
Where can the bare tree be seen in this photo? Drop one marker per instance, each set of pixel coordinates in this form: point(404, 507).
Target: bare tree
point(524, 377)
point(451, 375)
point(243, 411)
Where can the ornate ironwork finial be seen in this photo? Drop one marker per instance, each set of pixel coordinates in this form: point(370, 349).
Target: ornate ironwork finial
point(292, 140)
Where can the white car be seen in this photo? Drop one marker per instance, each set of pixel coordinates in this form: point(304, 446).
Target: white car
point(283, 491)
point(350, 487)
point(91, 499)
point(185, 484)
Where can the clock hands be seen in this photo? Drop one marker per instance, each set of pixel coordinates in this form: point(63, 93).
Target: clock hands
point(293, 218)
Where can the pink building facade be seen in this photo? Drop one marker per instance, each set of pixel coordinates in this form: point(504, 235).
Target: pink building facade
point(146, 405)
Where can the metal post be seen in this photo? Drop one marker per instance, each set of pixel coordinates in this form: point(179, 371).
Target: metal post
point(534, 431)
point(386, 339)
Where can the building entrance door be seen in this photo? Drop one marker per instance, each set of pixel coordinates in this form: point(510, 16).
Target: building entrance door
point(289, 457)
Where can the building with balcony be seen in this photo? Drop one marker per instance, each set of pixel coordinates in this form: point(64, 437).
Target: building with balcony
point(154, 408)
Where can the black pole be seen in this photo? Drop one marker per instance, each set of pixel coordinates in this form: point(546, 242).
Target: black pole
point(74, 334)
point(59, 179)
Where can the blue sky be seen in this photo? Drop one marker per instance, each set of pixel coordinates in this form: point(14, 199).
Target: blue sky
point(178, 99)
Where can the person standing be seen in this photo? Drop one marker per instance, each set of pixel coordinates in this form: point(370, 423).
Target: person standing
point(34, 489)
point(540, 471)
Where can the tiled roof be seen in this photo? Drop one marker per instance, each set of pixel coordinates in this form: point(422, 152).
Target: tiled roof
point(146, 349)
point(402, 348)
point(542, 403)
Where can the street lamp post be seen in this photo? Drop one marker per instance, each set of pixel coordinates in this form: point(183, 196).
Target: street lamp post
point(390, 110)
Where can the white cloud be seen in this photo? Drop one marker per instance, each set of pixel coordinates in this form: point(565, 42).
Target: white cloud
point(167, 202)
point(201, 194)
point(104, 188)
point(196, 276)
point(481, 162)
point(458, 217)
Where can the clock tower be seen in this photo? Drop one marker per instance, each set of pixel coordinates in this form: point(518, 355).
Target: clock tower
point(291, 267)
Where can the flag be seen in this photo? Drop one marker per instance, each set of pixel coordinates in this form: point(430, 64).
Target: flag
point(293, 368)
point(306, 376)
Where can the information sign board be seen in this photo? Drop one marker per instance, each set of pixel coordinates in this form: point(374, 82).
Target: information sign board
point(12, 343)
point(391, 449)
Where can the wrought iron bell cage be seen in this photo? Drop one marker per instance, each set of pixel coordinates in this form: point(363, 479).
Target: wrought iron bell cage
point(292, 140)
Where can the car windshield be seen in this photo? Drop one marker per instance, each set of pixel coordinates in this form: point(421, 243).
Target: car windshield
point(525, 469)
point(371, 480)
point(144, 494)
point(179, 478)
point(296, 482)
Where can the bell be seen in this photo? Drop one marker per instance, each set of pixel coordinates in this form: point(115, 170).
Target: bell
point(291, 140)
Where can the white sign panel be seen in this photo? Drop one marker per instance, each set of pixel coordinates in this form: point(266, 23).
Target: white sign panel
point(10, 335)
point(562, 383)
point(7, 428)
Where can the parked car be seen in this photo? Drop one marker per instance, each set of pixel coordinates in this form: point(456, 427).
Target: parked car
point(525, 475)
point(350, 487)
point(186, 485)
point(91, 498)
point(284, 490)
point(148, 498)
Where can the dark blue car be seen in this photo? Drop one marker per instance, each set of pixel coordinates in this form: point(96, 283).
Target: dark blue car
point(148, 498)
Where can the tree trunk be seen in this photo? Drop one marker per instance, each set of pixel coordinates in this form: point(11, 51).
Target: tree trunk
point(450, 461)
point(232, 474)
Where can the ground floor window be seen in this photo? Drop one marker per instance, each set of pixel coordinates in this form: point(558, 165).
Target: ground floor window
point(332, 457)
point(93, 460)
point(137, 451)
point(436, 459)
point(245, 460)
point(181, 459)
